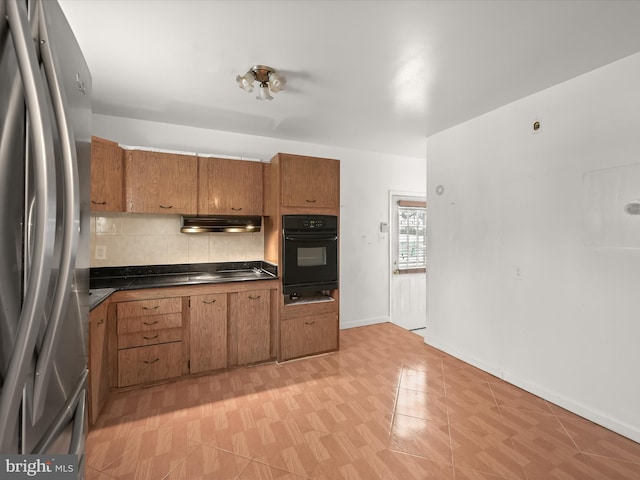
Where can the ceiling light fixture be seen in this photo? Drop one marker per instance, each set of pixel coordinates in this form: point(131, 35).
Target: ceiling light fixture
point(270, 81)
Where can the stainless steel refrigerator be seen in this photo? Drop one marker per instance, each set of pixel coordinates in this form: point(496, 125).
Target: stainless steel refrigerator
point(45, 119)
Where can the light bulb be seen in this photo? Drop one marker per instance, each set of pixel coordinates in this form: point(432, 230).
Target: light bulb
point(263, 92)
point(245, 81)
point(276, 82)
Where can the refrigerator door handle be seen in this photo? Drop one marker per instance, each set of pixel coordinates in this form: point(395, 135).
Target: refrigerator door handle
point(80, 423)
point(70, 217)
point(39, 273)
point(72, 410)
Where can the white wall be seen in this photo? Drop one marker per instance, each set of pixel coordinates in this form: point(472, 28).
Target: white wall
point(366, 178)
point(516, 285)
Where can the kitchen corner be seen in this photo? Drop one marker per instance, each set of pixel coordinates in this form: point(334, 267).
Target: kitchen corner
point(171, 300)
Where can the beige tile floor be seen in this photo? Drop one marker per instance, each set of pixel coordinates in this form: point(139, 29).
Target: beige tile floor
point(385, 407)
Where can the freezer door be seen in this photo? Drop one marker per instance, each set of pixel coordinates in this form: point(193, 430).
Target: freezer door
point(61, 351)
point(45, 329)
point(12, 169)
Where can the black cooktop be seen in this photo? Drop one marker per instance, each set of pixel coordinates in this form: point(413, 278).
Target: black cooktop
point(148, 276)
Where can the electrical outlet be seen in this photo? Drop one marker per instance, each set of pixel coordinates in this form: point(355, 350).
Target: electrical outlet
point(518, 273)
point(101, 252)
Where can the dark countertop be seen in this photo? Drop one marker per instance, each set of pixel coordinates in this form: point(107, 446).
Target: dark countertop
point(98, 295)
point(150, 276)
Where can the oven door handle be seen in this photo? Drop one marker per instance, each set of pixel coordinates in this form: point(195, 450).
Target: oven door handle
point(311, 238)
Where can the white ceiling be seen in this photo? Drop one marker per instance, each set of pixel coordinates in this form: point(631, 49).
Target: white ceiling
point(372, 75)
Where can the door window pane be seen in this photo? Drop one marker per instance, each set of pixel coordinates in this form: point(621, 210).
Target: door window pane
point(412, 240)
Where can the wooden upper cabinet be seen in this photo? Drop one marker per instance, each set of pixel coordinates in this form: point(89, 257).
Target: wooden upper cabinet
point(107, 176)
point(229, 187)
point(158, 182)
point(309, 182)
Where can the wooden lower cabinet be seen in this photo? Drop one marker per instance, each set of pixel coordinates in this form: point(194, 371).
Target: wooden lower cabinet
point(143, 339)
point(310, 335)
point(250, 317)
point(208, 343)
point(149, 340)
point(149, 364)
point(158, 334)
point(149, 323)
point(98, 361)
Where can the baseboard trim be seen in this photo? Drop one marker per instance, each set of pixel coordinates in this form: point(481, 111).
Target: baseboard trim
point(571, 405)
point(363, 322)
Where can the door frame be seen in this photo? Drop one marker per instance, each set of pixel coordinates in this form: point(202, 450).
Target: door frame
point(394, 193)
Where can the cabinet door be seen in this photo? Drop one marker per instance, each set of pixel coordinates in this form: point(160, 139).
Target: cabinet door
point(149, 364)
point(154, 306)
point(310, 182)
point(98, 361)
point(229, 187)
point(251, 315)
point(107, 176)
point(208, 332)
point(161, 182)
point(308, 335)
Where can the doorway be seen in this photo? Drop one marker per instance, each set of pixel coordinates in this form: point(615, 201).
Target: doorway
point(408, 252)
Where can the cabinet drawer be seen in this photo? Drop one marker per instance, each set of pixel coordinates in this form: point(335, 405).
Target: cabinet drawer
point(308, 335)
point(149, 364)
point(158, 306)
point(153, 337)
point(148, 323)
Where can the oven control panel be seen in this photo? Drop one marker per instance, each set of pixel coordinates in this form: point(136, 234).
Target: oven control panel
point(309, 223)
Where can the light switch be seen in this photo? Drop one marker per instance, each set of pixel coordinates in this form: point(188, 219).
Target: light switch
point(384, 227)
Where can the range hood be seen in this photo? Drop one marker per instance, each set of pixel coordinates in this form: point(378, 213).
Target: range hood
point(231, 224)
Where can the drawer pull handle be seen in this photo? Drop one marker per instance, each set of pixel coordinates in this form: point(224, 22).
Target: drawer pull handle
point(98, 203)
point(311, 201)
point(236, 209)
point(101, 321)
point(252, 297)
point(166, 206)
point(151, 323)
point(151, 338)
point(149, 362)
point(310, 323)
point(150, 308)
point(209, 303)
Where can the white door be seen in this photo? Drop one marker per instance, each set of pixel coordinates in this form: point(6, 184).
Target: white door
point(408, 261)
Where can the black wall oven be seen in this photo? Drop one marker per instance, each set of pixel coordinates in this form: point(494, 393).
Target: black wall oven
point(309, 253)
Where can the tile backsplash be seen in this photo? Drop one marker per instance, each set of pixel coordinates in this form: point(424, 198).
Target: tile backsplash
point(119, 239)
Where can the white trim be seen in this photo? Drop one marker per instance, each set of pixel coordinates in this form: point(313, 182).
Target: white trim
point(363, 323)
point(193, 154)
point(568, 404)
